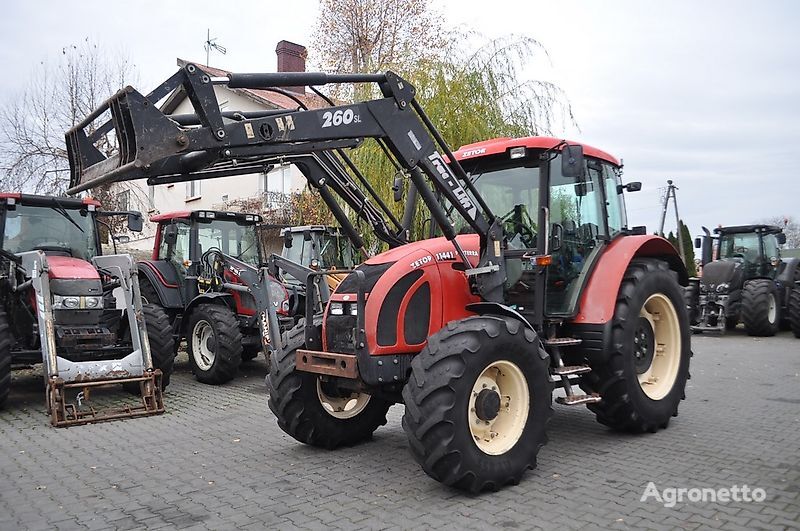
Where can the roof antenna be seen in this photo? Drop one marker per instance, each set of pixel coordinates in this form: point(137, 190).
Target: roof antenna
point(211, 44)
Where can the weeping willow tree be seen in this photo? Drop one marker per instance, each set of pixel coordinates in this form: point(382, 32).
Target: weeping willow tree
point(472, 97)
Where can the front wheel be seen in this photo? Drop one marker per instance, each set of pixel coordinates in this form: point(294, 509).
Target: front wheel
point(643, 378)
point(794, 311)
point(760, 307)
point(478, 402)
point(318, 412)
point(215, 344)
point(5, 358)
point(162, 343)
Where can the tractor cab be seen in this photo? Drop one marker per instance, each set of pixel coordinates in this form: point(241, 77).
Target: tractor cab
point(583, 205)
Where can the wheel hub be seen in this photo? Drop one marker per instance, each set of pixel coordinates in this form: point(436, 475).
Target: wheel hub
point(644, 345)
point(487, 405)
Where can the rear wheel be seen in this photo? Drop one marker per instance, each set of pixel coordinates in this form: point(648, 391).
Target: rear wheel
point(317, 412)
point(478, 402)
point(644, 377)
point(760, 307)
point(215, 344)
point(794, 311)
point(162, 343)
point(5, 358)
point(148, 292)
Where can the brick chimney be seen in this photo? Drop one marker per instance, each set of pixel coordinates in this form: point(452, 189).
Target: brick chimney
point(292, 58)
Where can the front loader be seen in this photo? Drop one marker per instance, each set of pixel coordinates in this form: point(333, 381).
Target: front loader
point(58, 308)
point(532, 279)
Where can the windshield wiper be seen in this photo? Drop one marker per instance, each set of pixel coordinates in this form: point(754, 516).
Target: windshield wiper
point(61, 210)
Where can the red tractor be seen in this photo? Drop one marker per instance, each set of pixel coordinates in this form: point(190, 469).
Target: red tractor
point(536, 282)
point(205, 273)
point(57, 307)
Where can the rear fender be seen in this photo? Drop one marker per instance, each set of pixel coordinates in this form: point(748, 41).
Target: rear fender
point(159, 277)
point(599, 297)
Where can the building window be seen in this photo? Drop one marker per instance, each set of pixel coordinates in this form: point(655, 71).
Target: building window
point(124, 200)
point(279, 180)
point(192, 189)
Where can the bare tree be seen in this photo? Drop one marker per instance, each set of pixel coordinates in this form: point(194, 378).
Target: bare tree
point(790, 226)
point(60, 94)
point(373, 35)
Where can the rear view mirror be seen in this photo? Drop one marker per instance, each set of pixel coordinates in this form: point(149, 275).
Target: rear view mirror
point(572, 161)
point(170, 235)
point(697, 243)
point(287, 239)
point(630, 187)
point(781, 238)
point(397, 187)
point(307, 235)
point(135, 221)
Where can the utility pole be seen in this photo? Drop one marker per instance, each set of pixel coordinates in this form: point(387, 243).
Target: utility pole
point(670, 194)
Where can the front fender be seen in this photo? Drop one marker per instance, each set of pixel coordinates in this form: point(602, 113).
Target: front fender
point(599, 297)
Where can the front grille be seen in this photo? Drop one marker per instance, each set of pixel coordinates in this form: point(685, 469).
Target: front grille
point(339, 330)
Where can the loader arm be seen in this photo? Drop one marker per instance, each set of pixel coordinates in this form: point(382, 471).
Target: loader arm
point(156, 147)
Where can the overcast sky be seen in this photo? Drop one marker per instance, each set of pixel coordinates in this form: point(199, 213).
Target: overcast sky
point(704, 93)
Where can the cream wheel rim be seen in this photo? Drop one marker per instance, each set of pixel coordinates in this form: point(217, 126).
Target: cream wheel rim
point(772, 312)
point(203, 345)
point(498, 407)
point(342, 407)
point(658, 377)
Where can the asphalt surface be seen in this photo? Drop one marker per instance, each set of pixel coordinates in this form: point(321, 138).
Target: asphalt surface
point(217, 460)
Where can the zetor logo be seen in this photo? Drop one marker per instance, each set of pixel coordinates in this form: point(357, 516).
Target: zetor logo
point(421, 262)
point(473, 152)
point(455, 187)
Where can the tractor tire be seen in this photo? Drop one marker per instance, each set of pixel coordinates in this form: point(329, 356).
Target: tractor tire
point(691, 295)
point(312, 413)
point(461, 430)
point(793, 307)
point(162, 343)
point(148, 292)
point(6, 340)
point(215, 344)
point(760, 307)
point(641, 387)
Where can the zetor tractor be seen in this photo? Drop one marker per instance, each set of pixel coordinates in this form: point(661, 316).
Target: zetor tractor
point(205, 273)
point(536, 282)
point(747, 282)
point(57, 307)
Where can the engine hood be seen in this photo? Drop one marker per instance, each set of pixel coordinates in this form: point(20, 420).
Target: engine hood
point(726, 271)
point(66, 267)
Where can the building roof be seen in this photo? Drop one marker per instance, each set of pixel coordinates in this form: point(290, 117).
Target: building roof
point(267, 98)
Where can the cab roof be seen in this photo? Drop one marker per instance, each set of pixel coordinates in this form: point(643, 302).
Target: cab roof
point(741, 229)
point(49, 200)
point(205, 215)
point(503, 144)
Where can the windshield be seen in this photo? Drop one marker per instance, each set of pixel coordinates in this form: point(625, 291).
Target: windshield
point(334, 251)
point(739, 245)
point(50, 229)
point(238, 241)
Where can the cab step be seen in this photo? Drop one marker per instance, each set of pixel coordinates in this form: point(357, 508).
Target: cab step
point(571, 370)
point(562, 341)
point(577, 400)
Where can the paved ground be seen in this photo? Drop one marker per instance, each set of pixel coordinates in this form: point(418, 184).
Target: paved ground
point(217, 460)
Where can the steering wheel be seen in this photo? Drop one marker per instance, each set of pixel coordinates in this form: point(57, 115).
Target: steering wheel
point(519, 222)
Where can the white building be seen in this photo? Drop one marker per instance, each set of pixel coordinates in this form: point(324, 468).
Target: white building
point(214, 193)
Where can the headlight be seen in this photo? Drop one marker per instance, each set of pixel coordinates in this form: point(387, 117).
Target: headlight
point(71, 302)
point(337, 308)
point(76, 302)
point(722, 288)
point(354, 308)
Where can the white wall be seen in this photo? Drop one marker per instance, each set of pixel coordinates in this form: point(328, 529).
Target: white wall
point(208, 193)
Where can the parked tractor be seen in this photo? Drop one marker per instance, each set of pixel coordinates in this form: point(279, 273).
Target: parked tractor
point(57, 307)
point(205, 274)
point(744, 280)
point(536, 281)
